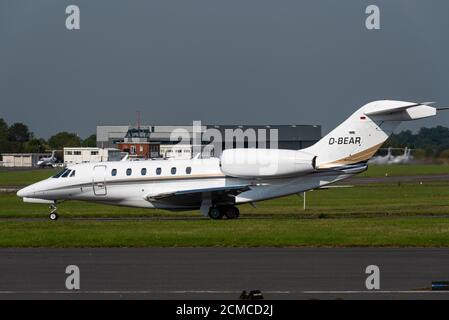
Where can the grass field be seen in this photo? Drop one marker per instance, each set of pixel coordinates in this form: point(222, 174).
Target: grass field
point(381, 215)
point(405, 170)
point(409, 214)
point(245, 232)
point(408, 199)
point(24, 177)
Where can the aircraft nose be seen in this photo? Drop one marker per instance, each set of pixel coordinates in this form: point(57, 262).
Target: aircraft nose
point(25, 192)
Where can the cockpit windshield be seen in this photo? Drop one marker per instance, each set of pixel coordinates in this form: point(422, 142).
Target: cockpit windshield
point(66, 174)
point(60, 173)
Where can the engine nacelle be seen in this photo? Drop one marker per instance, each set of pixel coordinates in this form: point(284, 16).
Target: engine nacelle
point(260, 163)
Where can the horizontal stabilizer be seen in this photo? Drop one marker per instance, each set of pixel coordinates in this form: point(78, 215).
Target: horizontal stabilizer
point(398, 110)
point(382, 109)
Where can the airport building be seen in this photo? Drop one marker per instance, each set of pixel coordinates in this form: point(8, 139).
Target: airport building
point(161, 141)
point(82, 155)
point(22, 160)
point(137, 143)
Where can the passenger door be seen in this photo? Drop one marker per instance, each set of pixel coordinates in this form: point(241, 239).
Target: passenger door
point(99, 180)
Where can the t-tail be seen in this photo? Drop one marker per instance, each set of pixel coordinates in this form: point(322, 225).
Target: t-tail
point(358, 138)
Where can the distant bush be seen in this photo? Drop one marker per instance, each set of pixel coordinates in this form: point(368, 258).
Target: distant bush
point(444, 154)
point(418, 154)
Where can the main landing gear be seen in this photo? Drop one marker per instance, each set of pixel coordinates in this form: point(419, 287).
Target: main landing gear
point(230, 212)
point(53, 214)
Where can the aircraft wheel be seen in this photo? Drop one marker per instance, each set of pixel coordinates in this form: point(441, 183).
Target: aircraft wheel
point(215, 213)
point(53, 216)
point(237, 212)
point(231, 212)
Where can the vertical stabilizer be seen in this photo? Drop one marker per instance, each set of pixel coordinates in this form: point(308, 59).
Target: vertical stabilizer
point(359, 137)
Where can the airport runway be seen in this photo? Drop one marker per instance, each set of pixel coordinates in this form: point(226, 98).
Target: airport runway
point(222, 273)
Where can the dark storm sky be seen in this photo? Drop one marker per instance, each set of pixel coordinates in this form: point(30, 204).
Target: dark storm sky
point(219, 61)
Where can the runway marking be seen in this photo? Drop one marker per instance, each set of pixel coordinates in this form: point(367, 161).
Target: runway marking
point(220, 292)
point(133, 292)
point(373, 291)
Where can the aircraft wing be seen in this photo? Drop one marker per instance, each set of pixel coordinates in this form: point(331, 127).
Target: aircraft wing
point(195, 196)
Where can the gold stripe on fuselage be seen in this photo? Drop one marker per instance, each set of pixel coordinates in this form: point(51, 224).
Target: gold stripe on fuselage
point(354, 158)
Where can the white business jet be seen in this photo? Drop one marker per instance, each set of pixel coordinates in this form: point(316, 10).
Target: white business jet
point(382, 160)
point(404, 158)
point(216, 185)
point(48, 162)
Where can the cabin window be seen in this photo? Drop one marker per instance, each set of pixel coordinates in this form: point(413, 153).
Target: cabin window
point(173, 170)
point(158, 171)
point(143, 171)
point(114, 172)
point(66, 174)
point(128, 171)
point(73, 173)
point(189, 170)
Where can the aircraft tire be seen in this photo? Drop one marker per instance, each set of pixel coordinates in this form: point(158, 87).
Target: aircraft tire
point(237, 212)
point(231, 212)
point(53, 216)
point(215, 213)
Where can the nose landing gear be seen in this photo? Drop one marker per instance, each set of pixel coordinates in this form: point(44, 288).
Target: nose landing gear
point(53, 214)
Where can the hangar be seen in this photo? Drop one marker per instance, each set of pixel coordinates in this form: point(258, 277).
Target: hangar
point(24, 160)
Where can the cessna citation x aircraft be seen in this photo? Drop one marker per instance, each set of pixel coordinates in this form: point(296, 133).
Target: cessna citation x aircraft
point(216, 185)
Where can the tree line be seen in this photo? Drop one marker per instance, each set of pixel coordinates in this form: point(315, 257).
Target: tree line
point(431, 142)
point(17, 138)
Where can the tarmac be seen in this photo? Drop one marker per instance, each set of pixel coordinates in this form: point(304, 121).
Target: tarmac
point(223, 273)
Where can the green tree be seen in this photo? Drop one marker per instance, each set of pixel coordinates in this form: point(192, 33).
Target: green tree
point(3, 127)
point(35, 146)
point(432, 141)
point(64, 139)
point(18, 132)
point(4, 141)
point(401, 140)
point(90, 141)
